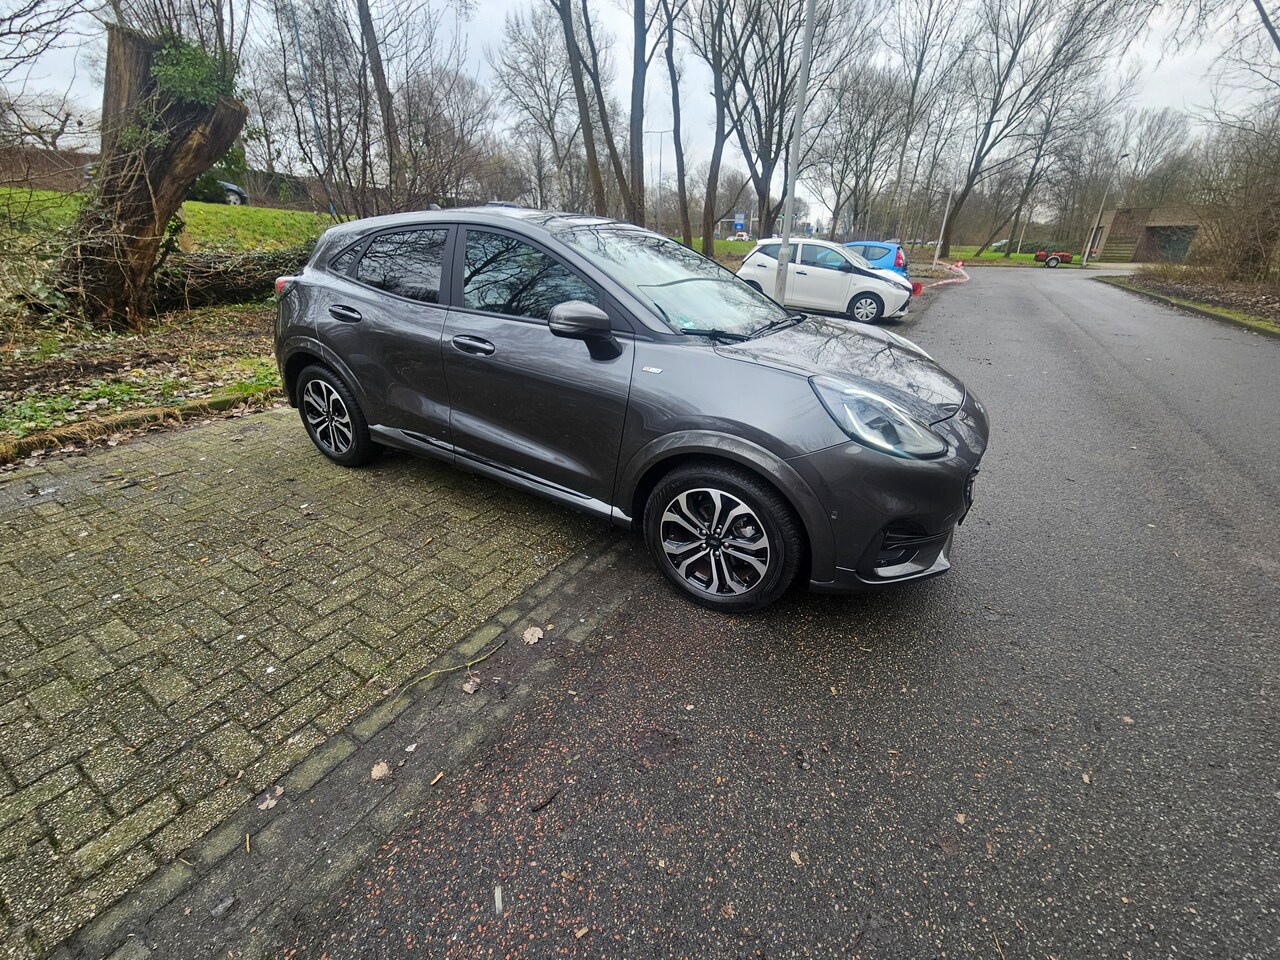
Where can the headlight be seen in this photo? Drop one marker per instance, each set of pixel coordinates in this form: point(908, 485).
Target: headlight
point(877, 422)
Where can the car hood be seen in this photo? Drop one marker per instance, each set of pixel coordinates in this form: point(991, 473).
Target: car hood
point(862, 354)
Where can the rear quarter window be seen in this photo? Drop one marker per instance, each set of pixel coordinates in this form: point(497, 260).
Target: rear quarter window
point(872, 252)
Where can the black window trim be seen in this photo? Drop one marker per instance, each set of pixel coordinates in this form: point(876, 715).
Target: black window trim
point(617, 316)
point(446, 275)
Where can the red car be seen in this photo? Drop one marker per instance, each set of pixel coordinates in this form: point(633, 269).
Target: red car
point(1052, 259)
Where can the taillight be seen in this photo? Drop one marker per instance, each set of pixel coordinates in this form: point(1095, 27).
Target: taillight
point(280, 282)
point(899, 260)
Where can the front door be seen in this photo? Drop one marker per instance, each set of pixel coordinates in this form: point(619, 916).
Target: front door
point(541, 406)
point(821, 279)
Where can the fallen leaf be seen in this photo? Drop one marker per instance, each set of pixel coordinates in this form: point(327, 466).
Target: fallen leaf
point(270, 798)
point(381, 770)
point(795, 858)
point(1085, 778)
point(532, 635)
point(1128, 720)
point(580, 933)
point(410, 748)
point(471, 685)
point(961, 818)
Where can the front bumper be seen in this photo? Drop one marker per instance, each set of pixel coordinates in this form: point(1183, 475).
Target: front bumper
point(893, 520)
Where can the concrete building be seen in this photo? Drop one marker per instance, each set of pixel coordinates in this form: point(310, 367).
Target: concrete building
point(1147, 234)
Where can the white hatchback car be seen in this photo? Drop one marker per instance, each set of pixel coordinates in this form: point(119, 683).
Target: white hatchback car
point(826, 277)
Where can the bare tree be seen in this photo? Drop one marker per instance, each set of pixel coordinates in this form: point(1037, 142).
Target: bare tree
point(1021, 53)
point(707, 27)
point(532, 73)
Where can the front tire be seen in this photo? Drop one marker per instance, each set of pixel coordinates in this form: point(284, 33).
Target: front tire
point(1052, 262)
point(333, 418)
point(725, 538)
point(866, 308)
point(234, 199)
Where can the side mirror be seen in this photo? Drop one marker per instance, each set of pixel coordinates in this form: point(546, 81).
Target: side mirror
point(579, 320)
point(846, 266)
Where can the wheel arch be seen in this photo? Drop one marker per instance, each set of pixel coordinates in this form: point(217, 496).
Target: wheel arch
point(648, 466)
point(302, 353)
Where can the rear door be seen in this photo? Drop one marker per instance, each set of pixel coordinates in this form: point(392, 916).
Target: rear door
point(386, 322)
point(542, 407)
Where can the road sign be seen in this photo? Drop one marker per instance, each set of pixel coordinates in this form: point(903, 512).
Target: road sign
point(739, 221)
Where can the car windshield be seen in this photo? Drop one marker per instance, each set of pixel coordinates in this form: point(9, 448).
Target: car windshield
point(859, 261)
point(691, 292)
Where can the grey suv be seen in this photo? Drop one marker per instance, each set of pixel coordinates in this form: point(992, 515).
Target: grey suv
point(612, 369)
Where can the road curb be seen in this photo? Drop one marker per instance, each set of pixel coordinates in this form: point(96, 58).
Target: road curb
point(94, 429)
point(1177, 303)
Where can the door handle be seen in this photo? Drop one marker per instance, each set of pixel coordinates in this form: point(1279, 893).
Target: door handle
point(344, 313)
point(802, 273)
point(477, 346)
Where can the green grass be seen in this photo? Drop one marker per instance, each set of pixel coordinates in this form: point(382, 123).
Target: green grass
point(966, 253)
point(210, 226)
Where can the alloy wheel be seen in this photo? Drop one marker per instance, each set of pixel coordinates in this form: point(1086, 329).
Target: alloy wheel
point(714, 542)
point(328, 418)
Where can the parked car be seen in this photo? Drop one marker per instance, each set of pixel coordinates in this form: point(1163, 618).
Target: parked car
point(882, 254)
point(1052, 258)
point(741, 235)
point(234, 194)
point(826, 276)
point(609, 368)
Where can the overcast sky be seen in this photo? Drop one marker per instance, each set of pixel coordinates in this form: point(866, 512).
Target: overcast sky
point(1167, 79)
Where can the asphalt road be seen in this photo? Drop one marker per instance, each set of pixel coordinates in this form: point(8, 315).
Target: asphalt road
point(1067, 747)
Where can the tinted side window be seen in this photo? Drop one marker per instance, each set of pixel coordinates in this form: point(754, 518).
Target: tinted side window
point(874, 253)
point(858, 248)
point(342, 262)
point(407, 264)
point(813, 255)
point(770, 250)
point(505, 275)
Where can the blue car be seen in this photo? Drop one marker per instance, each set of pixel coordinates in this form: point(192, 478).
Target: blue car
point(882, 254)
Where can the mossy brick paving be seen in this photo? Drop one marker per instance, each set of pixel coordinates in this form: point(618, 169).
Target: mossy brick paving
point(189, 617)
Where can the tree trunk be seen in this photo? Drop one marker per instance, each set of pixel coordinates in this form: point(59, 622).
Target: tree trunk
point(598, 199)
point(154, 146)
point(682, 188)
point(395, 160)
point(639, 71)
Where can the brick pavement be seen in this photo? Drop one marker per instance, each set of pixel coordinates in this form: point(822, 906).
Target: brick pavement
point(188, 617)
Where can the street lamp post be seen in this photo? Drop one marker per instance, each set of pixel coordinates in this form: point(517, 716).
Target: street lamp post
point(793, 161)
point(1089, 240)
point(659, 133)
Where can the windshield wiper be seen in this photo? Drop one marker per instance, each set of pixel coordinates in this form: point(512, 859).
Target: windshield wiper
point(724, 336)
point(788, 321)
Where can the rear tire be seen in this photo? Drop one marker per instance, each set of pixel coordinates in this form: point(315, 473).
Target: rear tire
point(865, 308)
point(234, 199)
point(332, 417)
point(723, 537)
point(1052, 262)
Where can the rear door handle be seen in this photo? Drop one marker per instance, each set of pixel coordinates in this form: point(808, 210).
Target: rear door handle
point(477, 346)
point(344, 313)
point(802, 273)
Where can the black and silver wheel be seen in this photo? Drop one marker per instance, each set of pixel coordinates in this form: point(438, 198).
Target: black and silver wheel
point(332, 417)
point(234, 198)
point(866, 308)
point(1052, 262)
point(725, 538)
